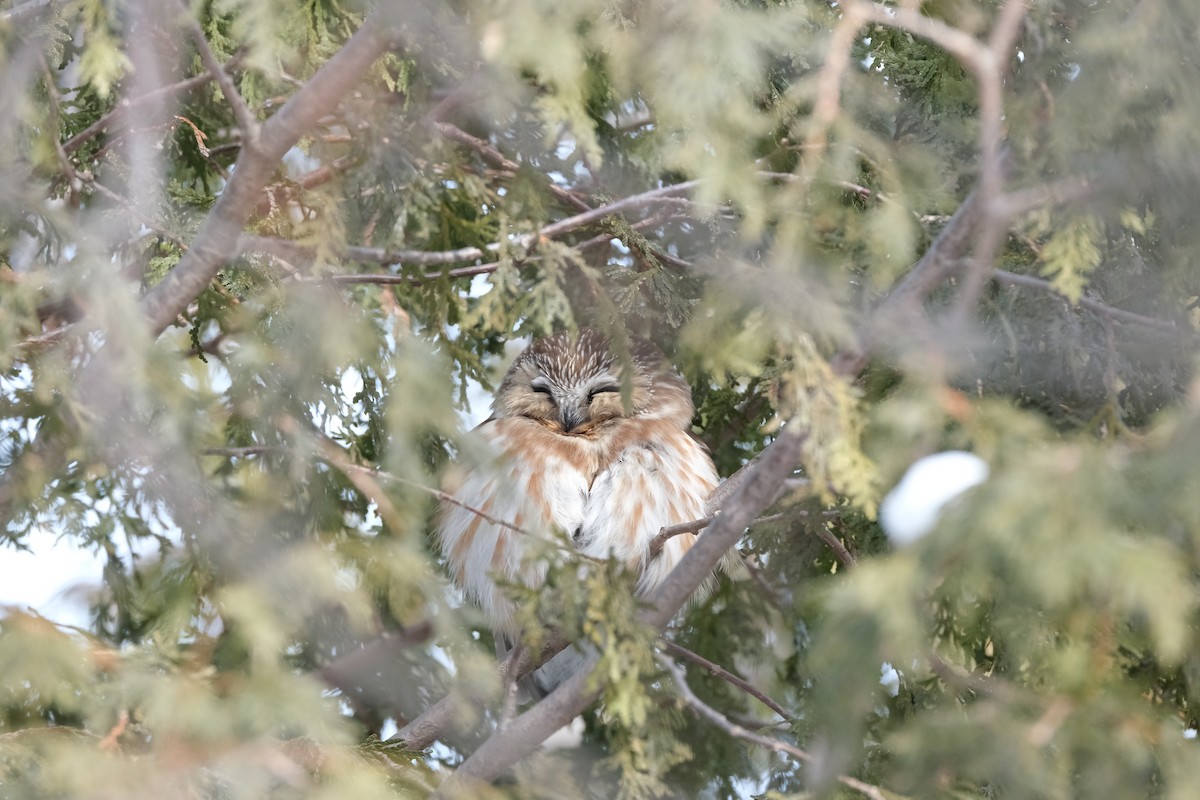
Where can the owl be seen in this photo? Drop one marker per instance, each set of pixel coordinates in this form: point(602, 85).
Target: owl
point(572, 454)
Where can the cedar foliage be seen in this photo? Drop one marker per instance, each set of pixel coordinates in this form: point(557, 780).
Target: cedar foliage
point(270, 455)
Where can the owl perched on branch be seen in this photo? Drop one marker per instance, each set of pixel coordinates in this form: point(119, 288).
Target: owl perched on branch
point(586, 445)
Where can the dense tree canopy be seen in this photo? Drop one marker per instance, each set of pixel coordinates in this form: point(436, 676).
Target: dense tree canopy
point(262, 261)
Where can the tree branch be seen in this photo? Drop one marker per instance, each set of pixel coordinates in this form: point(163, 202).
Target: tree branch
point(430, 725)
point(980, 222)
point(1107, 311)
point(1014, 203)
point(990, 71)
point(835, 544)
point(248, 243)
point(940, 260)
point(336, 456)
point(755, 491)
point(130, 104)
point(988, 63)
point(738, 732)
point(241, 112)
point(217, 241)
point(25, 11)
point(492, 154)
point(728, 677)
point(759, 487)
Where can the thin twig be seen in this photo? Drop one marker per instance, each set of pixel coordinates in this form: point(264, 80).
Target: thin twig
point(728, 677)
point(695, 526)
point(771, 743)
point(1110, 312)
point(155, 97)
point(671, 531)
point(249, 243)
point(340, 461)
point(835, 544)
point(362, 479)
point(237, 104)
point(25, 11)
point(456, 134)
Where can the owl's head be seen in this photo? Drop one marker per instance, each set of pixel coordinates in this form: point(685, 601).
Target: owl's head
point(573, 384)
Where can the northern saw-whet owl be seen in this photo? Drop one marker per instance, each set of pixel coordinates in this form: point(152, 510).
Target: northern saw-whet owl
point(571, 455)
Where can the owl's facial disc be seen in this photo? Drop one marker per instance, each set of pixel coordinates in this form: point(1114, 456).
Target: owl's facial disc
point(578, 408)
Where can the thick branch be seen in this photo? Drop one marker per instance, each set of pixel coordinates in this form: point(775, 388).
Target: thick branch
point(217, 241)
point(755, 491)
point(758, 490)
point(430, 725)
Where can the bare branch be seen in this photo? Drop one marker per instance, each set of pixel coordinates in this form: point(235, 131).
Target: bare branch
point(338, 458)
point(489, 152)
point(671, 531)
point(990, 73)
point(294, 251)
point(758, 488)
point(972, 53)
point(241, 112)
point(524, 734)
point(829, 81)
point(697, 525)
point(217, 241)
point(343, 671)
point(738, 732)
point(1110, 312)
point(939, 261)
point(519, 662)
point(980, 220)
point(728, 677)
point(988, 63)
point(127, 105)
point(835, 544)
point(1014, 203)
point(25, 11)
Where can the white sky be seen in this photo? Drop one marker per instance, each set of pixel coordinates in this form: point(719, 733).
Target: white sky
point(54, 578)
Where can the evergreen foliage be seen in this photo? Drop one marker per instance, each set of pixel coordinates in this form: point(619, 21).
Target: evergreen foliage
point(813, 207)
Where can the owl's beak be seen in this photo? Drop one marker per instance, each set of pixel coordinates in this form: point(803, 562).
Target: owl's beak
point(572, 417)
